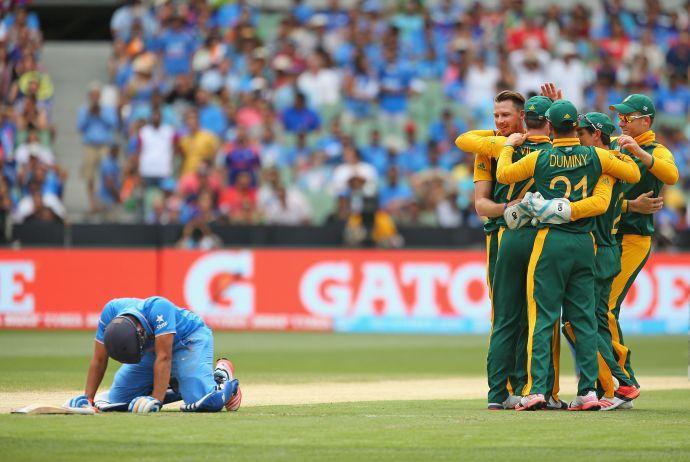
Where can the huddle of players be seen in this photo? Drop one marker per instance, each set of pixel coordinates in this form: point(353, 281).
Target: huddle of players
point(569, 228)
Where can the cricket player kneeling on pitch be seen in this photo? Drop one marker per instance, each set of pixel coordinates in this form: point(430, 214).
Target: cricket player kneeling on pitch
point(167, 356)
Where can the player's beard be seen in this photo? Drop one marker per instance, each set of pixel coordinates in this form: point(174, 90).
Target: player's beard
point(511, 128)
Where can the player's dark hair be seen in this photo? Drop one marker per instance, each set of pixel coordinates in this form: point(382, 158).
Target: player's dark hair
point(563, 132)
point(510, 95)
point(605, 139)
point(535, 123)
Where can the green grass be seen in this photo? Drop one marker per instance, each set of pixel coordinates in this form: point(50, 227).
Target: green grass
point(58, 360)
point(401, 430)
point(382, 431)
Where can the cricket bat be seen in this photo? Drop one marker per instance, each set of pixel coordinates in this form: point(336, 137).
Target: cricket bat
point(41, 409)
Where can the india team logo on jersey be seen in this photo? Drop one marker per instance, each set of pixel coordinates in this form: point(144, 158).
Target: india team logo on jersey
point(220, 283)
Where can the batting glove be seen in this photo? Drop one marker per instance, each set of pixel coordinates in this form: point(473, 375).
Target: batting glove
point(552, 211)
point(78, 401)
point(518, 215)
point(144, 405)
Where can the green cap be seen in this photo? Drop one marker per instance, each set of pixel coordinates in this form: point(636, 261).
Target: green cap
point(536, 107)
point(562, 114)
point(635, 103)
point(597, 121)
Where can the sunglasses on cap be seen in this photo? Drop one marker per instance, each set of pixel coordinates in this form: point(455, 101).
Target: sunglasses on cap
point(628, 118)
point(587, 119)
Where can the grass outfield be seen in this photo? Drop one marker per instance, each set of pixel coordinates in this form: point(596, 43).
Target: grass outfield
point(391, 430)
point(59, 360)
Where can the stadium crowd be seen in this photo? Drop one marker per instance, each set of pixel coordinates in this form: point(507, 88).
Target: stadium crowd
point(31, 184)
point(219, 112)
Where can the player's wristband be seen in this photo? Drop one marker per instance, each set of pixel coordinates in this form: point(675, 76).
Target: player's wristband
point(505, 206)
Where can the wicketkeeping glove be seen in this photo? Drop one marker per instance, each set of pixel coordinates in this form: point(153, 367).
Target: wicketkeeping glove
point(78, 401)
point(518, 215)
point(552, 211)
point(144, 405)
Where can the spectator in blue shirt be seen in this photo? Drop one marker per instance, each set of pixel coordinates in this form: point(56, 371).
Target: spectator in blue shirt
point(272, 152)
point(177, 46)
point(230, 14)
point(302, 11)
point(673, 101)
point(440, 129)
point(298, 155)
point(677, 142)
point(8, 131)
point(109, 191)
point(394, 193)
point(395, 82)
point(361, 88)
point(443, 132)
point(126, 15)
point(145, 109)
point(414, 158)
point(410, 22)
point(337, 17)
point(22, 17)
point(242, 156)
point(299, 118)
point(332, 143)
point(211, 115)
point(678, 56)
point(97, 125)
point(444, 16)
point(375, 154)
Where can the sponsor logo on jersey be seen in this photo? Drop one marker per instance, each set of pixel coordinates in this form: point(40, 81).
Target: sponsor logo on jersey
point(160, 322)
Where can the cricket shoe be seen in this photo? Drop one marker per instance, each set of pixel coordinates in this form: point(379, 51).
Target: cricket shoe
point(626, 405)
point(555, 405)
point(531, 403)
point(225, 373)
point(627, 392)
point(609, 404)
point(510, 403)
point(588, 402)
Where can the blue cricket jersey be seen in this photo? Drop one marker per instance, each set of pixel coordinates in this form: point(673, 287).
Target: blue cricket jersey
point(157, 314)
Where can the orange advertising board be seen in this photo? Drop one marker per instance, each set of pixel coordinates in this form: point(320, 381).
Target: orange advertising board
point(441, 291)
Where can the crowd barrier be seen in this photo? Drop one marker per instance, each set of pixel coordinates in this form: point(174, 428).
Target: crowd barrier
point(140, 235)
point(420, 291)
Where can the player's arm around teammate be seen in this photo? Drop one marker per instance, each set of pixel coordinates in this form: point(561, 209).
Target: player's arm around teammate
point(486, 145)
point(645, 203)
point(509, 172)
point(585, 208)
point(484, 142)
